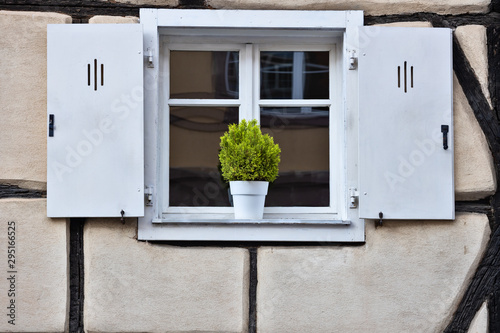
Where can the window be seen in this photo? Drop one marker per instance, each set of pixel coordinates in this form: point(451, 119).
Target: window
point(290, 89)
point(361, 113)
point(285, 69)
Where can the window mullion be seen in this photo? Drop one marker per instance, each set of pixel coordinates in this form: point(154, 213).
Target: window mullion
point(337, 133)
point(164, 134)
point(295, 102)
point(246, 82)
point(256, 82)
point(204, 102)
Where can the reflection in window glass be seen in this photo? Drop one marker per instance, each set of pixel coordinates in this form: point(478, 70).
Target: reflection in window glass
point(303, 136)
point(204, 74)
point(195, 134)
point(294, 75)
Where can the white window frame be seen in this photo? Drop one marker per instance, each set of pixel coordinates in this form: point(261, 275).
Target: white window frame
point(286, 25)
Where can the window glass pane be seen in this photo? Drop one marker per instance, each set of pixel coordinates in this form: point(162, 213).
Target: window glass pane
point(302, 133)
point(294, 75)
point(204, 74)
point(195, 134)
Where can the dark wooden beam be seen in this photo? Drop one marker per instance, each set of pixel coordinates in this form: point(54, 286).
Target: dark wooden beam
point(76, 275)
point(495, 6)
point(494, 312)
point(479, 207)
point(200, 4)
point(252, 309)
point(14, 191)
point(491, 18)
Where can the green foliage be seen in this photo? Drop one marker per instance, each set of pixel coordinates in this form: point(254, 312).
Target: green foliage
point(247, 154)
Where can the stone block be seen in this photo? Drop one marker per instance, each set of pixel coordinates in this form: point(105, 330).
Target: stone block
point(113, 19)
point(23, 97)
point(409, 276)
point(480, 322)
point(38, 283)
point(472, 39)
point(474, 170)
point(133, 286)
point(370, 7)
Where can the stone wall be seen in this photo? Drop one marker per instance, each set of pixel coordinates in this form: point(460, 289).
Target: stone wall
point(93, 275)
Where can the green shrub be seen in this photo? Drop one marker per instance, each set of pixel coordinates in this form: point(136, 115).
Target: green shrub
point(247, 154)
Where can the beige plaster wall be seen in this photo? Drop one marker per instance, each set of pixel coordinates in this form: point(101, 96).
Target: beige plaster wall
point(371, 7)
point(474, 174)
point(135, 286)
point(472, 39)
point(409, 276)
point(474, 171)
point(23, 101)
point(40, 288)
point(100, 19)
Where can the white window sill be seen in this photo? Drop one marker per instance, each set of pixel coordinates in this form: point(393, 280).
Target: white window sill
point(250, 222)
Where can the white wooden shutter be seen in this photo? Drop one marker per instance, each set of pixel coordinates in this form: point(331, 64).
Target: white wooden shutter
point(405, 100)
point(95, 153)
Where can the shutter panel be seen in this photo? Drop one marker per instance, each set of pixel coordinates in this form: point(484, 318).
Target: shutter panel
point(95, 153)
point(405, 101)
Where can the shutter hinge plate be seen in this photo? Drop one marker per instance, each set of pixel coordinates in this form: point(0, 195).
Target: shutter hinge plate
point(148, 196)
point(353, 61)
point(149, 58)
point(353, 197)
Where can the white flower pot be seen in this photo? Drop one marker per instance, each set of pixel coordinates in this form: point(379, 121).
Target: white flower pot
point(248, 199)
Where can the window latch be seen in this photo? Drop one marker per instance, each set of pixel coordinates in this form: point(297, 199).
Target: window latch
point(148, 196)
point(353, 197)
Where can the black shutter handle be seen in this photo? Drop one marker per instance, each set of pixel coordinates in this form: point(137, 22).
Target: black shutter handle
point(51, 125)
point(444, 130)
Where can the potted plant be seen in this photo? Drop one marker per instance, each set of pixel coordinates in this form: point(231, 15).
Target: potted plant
point(249, 161)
